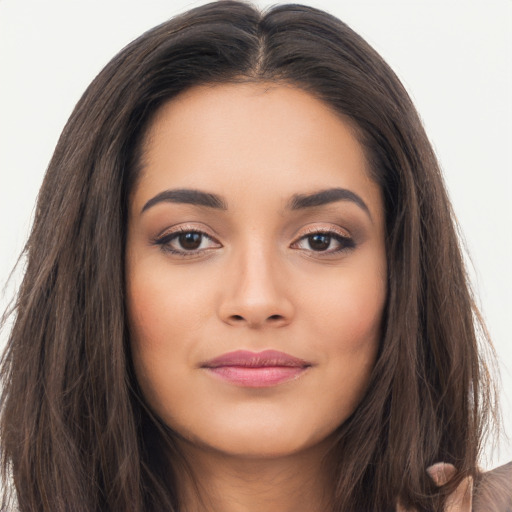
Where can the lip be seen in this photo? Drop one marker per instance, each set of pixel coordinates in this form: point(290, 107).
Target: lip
point(256, 369)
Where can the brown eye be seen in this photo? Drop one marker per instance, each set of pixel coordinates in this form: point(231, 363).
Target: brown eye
point(319, 241)
point(190, 241)
point(187, 243)
point(324, 243)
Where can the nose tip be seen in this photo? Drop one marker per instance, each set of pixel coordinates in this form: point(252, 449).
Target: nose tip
point(255, 294)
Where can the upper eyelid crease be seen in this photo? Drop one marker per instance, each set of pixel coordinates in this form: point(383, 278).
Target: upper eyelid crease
point(346, 243)
point(164, 240)
point(343, 233)
point(180, 230)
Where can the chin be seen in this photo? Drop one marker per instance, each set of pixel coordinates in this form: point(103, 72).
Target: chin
point(259, 439)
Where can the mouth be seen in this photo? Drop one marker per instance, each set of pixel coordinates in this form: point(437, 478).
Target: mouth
point(256, 369)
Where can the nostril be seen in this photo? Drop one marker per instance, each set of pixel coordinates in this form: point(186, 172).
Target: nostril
point(272, 318)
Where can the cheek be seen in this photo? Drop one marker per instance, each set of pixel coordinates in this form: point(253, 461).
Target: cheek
point(164, 308)
point(162, 336)
point(349, 309)
point(165, 321)
point(346, 326)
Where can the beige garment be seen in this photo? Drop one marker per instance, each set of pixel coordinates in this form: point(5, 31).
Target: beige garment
point(461, 500)
point(492, 492)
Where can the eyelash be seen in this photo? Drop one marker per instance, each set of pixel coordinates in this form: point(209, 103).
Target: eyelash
point(346, 243)
point(165, 240)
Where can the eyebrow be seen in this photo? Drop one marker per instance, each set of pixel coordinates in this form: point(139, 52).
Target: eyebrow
point(323, 197)
point(187, 196)
point(297, 202)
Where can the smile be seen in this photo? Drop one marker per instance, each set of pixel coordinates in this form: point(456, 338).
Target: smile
point(256, 370)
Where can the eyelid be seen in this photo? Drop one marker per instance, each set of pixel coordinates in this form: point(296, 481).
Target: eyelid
point(166, 236)
point(342, 236)
point(185, 228)
point(311, 230)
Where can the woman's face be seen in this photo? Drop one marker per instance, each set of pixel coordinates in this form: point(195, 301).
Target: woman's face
point(256, 269)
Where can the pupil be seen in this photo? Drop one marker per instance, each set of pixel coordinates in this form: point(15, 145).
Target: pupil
point(190, 240)
point(319, 242)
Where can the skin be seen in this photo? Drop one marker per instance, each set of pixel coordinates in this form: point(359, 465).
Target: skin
point(257, 281)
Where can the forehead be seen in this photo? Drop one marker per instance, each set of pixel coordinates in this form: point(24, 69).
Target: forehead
point(262, 112)
point(231, 138)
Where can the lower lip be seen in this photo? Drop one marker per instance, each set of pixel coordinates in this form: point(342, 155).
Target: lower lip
point(259, 377)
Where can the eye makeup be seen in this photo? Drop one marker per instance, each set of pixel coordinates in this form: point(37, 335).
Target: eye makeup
point(190, 241)
point(324, 241)
point(186, 241)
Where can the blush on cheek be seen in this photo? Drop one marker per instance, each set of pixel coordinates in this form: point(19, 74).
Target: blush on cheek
point(146, 310)
point(366, 326)
point(140, 321)
point(355, 322)
point(365, 311)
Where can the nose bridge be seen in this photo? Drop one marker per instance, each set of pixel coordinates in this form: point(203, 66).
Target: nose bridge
point(257, 281)
point(254, 291)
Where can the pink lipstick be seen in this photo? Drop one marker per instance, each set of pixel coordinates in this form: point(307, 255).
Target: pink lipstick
point(256, 369)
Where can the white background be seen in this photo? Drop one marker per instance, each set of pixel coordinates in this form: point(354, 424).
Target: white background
point(454, 57)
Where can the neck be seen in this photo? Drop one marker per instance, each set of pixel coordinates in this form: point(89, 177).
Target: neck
point(218, 482)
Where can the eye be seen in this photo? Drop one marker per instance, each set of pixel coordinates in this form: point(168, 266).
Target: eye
point(329, 242)
point(190, 241)
point(186, 242)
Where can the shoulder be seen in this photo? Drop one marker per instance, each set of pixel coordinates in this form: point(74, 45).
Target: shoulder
point(493, 490)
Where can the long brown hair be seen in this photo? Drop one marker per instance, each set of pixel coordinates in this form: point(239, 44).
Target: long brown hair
point(75, 432)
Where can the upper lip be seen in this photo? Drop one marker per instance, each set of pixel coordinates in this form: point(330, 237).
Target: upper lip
point(246, 358)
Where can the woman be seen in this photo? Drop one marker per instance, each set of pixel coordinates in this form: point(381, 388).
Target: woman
point(244, 289)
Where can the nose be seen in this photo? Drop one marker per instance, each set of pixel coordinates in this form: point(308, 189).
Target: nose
point(255, 293)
